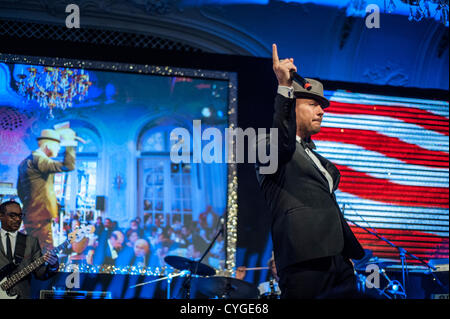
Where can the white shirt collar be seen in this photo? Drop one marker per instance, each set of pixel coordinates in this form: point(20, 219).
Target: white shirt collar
point(12, 234)
point(298, 138)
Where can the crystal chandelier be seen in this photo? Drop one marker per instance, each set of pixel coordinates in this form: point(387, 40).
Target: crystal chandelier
point(54, 87)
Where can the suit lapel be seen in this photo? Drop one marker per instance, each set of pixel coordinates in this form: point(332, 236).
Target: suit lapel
point(2, 250)
point(19, 251)
point(314, 169)
point(331, 168)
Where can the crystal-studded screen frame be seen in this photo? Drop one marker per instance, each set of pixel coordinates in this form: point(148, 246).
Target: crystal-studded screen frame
point(231, 77)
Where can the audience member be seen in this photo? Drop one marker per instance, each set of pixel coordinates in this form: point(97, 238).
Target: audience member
point(99, 226)
point(107, 251)
point(132, 237)
point(111, 245)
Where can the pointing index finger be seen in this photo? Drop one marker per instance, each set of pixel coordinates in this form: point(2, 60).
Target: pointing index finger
point(275, 54)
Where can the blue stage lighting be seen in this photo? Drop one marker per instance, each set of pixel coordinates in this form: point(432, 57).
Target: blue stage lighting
point(206, 112)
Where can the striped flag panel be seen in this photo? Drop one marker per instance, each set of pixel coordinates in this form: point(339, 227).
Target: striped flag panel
point(393, 155)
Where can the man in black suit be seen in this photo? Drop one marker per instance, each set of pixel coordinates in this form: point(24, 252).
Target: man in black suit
point(312, 242)
point(108, 248)
point(11, 239)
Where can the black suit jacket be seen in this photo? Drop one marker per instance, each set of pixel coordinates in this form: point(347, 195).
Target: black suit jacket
point(103, 253)
point(127, 257)
point(32, 252)
point(306, 220)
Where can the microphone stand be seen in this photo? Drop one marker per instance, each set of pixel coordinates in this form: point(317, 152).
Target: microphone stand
point(187, 282)
point(402, 252)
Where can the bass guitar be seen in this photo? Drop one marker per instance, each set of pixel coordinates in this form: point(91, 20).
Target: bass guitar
point(10, 281)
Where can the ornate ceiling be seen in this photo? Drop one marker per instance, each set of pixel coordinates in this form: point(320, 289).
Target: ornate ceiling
point(327, 41)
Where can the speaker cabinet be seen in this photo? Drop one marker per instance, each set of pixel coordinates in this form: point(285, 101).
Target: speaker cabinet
point(100, 203)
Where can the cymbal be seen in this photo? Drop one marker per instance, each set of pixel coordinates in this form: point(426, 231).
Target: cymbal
point(377, 260)
point(182, 263)
point(224, 287)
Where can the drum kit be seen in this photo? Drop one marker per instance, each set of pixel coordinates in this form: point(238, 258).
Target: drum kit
point(394, 289)
point(205, 283)
point(368, 271)
point(373, 280)
point(200, 280)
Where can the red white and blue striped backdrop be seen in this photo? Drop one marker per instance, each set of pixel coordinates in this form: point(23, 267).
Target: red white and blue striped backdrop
point(393, 154)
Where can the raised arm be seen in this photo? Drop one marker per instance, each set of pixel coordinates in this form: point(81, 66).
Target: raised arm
point(47, 165)
point(284, 115)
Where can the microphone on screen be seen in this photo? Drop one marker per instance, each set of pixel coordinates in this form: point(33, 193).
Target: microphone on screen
point(300, 80)
point(222, 223)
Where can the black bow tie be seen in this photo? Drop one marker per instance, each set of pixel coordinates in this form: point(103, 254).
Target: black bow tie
point(308, 144)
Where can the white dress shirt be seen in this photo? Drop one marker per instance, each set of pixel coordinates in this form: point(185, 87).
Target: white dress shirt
point(114, 254)
point(318, 164)
point(12, 238)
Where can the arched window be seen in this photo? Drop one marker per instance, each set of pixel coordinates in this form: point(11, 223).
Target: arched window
point(76, 190)
point(165, 189)
point(189, 197)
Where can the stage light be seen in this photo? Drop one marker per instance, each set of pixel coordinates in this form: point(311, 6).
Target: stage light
point(206, 112)
point(219, 113)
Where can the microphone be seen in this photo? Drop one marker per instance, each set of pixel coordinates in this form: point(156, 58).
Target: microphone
point(222, 224)
point(300, 80)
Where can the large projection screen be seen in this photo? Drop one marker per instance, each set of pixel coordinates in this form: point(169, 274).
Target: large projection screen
point(143, 205)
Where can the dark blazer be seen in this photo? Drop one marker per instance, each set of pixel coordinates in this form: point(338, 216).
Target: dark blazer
point(35, 184)
point(306, 220)
point(127, 257)
point(103, 253)
point(32, 252)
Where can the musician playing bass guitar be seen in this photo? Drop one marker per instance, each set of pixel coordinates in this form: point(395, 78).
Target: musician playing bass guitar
point(18, 251)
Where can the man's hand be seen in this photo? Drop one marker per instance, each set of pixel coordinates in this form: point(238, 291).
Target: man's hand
point(282, 68)
point(66, 134)
point(50, 258)
point(69, 137)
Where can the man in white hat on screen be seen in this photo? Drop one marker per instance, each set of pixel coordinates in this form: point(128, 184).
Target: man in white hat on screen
point(35, 183)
